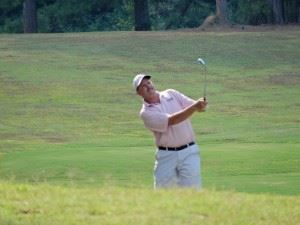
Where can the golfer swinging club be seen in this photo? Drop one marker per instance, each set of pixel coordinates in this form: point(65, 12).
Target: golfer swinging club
point(167, 114)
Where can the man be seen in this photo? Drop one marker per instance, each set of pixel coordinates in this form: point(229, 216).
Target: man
point(167, 114)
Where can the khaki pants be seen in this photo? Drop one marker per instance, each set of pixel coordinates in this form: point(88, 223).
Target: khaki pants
point(178, 168)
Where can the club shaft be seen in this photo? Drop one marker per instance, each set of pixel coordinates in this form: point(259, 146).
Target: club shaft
point(205, 83)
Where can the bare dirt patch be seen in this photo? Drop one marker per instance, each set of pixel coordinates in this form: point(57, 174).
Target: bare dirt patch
point(285, 79)
point(244, 28)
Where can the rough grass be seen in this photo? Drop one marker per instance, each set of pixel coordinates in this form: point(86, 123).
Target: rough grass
point(44, 204)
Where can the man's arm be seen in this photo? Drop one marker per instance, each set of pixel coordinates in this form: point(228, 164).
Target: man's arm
point(182, 115)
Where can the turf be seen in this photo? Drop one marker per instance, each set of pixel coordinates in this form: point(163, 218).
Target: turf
point(54, 205)
point(69, 115)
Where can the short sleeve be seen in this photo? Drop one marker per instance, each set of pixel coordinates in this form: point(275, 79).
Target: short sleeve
point(155, 121)
point(182, 99)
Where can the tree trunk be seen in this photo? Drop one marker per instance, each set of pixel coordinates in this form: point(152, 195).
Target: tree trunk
point(278, 13)
point(141, 15)
point(291, 11)
point(221, 11)
point(29, 16)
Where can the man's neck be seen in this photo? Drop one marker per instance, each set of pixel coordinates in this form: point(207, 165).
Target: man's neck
point(153, 99)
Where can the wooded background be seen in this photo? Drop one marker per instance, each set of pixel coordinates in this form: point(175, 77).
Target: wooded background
point(30, 16)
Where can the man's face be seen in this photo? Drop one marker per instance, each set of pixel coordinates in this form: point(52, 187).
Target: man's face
point(146, 88)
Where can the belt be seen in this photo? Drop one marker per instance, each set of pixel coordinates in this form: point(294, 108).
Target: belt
point(176, 148)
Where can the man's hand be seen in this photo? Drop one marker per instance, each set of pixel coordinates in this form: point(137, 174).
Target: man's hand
point(201, 104)
point(198, 106)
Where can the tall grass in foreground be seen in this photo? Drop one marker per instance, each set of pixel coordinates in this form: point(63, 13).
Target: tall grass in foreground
point(53, 205)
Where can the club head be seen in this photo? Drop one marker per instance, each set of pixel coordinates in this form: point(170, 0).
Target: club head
point(200, 61)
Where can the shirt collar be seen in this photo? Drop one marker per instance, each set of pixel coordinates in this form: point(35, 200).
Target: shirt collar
point(153, 104)
point(163, 96)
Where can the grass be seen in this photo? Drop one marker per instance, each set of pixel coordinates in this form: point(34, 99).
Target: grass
point(253, 168)
point(44, 204)
point(70, 132)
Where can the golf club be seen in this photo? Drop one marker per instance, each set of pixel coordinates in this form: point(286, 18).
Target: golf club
point(202, 62)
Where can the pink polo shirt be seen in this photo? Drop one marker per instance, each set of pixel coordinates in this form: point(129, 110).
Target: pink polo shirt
point(155, 117)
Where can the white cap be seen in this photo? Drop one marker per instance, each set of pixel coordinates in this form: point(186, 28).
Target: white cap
point(138, 79)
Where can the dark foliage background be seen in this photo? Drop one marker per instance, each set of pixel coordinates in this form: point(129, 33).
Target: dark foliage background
point(116, 15)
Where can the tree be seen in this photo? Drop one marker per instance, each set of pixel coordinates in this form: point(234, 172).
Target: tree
point(278, 11)
point(291, 11)
point(182, 8)
point(221, 16)
point(221, 11)
point(29, 16)
point(141, 15)
point(298, 15)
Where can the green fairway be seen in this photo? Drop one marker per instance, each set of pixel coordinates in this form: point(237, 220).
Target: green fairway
point(243, 167)
point(69, 114)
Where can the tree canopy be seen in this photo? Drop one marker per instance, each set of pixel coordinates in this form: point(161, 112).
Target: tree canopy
point(114, 15)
